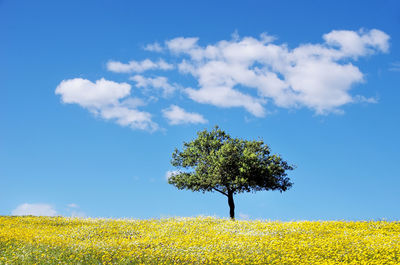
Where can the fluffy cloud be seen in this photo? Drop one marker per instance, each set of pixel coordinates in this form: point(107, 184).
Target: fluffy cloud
point(92, 95)
point(129, 117)
point(248, 72)
point(177, 115)
point(34, 209)
point(182, 44)
point(354, 44)
point(159, 82)
point(138, 67)
point(106, 99)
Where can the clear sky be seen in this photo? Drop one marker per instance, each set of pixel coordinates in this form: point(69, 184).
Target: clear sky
point(96, 95)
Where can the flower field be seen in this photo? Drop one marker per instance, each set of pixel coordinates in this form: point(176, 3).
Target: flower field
point(201, 240)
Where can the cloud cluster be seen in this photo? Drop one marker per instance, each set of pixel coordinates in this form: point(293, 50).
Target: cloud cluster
point(251, 73)
point(106, 99)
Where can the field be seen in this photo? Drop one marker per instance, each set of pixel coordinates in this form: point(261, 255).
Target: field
point(201, 240)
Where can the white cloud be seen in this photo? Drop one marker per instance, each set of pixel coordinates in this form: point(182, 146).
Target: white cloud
point(92, 95)
point(170, 173)
point(316, 76)
point(129, 117)
point(108, 100)
point(37, 209)
point(72, 205)
point(322, 86)
point(177, 115)
point(159, 82)
point(354, 44)
point(181, 44)
point(138, 67)
point(153, 47)
point(224, 96)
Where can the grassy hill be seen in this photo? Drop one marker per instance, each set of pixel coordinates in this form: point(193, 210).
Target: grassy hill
point(201, 240)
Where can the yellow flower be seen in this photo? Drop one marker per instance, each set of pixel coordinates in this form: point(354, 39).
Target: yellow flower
point(202, 240)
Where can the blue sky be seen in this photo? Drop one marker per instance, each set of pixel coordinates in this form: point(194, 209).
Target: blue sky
point(95, 96)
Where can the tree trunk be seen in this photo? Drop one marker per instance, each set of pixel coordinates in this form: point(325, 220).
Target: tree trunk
point(231, 205)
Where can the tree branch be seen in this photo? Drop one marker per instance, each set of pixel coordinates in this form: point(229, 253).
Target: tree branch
point(220, 191)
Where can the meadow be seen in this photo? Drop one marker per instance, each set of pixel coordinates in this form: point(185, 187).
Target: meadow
point(200, 240)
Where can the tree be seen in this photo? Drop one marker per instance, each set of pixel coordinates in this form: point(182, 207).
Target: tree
point(215, 161)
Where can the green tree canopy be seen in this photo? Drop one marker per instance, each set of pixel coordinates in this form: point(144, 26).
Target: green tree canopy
point(215, 161)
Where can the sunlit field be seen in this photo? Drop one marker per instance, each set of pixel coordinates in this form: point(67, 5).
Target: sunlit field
point(201, 240)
